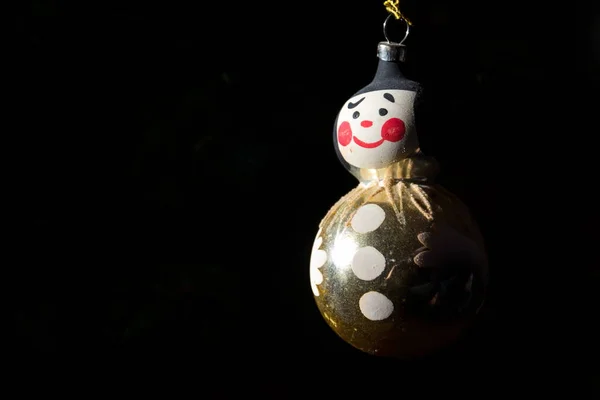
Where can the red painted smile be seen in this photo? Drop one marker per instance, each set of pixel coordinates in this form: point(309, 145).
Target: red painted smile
point(367, 145)
point(392, 130)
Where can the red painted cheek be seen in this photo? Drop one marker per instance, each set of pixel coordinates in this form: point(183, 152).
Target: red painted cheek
point(344, 133)
point(393, 130)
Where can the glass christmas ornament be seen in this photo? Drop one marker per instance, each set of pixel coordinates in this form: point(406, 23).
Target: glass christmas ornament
point(398, 266)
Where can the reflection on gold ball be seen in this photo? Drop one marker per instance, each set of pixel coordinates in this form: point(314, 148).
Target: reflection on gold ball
point(398, 269)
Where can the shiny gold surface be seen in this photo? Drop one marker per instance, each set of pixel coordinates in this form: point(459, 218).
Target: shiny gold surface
point(417, 167)
point(419, 323)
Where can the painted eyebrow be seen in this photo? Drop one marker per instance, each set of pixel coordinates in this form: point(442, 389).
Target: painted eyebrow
point(389, 97)
point(352, 105)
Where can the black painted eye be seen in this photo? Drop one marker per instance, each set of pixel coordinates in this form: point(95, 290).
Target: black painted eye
point(383, 111)
point(356, 114)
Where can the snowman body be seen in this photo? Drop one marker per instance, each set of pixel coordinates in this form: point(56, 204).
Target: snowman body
point(398, 266)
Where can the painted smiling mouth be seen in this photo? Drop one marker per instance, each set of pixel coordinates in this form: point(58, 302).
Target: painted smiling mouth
point(367, 145)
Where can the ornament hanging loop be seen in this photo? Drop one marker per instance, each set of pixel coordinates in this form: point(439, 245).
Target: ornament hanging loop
point(385, 29)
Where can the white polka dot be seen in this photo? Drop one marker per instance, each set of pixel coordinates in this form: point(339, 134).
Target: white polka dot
point(368, 218)
point(368, 263)
point(318, 259)
point(375, 306)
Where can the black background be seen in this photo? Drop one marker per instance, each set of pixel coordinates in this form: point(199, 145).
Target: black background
point(174, 160)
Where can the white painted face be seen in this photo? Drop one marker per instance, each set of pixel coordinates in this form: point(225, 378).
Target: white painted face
point(376, 129)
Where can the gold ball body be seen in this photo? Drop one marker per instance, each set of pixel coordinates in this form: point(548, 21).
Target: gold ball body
point(406, 324)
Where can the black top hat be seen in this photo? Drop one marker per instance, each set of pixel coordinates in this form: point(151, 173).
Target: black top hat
point(389, 74)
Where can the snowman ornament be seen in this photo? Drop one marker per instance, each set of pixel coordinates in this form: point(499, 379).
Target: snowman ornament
point(398, 266)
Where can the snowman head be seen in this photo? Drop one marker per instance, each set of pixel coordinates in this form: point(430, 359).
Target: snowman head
point(376, 129)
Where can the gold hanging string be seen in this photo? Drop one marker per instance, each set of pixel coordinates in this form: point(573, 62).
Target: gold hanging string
point(392, 6)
